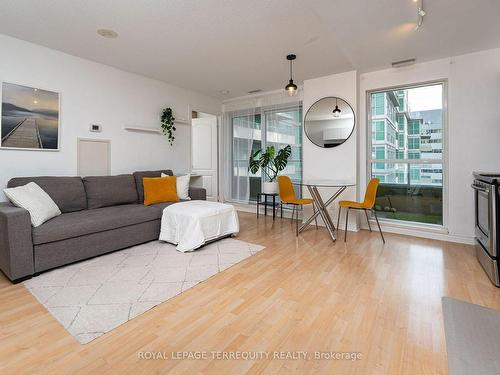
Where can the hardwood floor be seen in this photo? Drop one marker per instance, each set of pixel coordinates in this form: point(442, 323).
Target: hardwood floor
point(299, 294)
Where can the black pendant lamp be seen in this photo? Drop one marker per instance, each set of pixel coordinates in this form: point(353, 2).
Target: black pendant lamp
point(336, 111)
point(291, 88)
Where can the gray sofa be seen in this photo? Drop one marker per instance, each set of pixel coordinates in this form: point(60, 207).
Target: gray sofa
point(99, 215)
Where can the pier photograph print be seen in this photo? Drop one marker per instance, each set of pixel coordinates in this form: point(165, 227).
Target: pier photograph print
point(30, 118)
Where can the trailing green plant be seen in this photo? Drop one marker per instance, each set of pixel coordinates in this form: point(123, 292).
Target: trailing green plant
point(269, 161)
point(167, 124)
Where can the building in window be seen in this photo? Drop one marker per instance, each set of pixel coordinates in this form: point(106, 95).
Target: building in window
point(406, 151)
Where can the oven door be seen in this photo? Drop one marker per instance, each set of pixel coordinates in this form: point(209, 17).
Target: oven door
point(485, 214)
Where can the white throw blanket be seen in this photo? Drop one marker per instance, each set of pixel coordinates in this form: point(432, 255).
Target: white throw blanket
point(190, 224)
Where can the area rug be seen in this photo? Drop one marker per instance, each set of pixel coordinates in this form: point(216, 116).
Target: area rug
point(472, 338)
point(92, 297)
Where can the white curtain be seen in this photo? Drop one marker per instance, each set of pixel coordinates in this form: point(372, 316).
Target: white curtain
point(239, 130)
point(242, 130)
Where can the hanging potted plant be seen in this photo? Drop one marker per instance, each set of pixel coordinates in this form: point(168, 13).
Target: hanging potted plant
point(271, 164)
point(167, 124)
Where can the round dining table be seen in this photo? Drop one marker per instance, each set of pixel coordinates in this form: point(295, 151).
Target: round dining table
point(313, 185)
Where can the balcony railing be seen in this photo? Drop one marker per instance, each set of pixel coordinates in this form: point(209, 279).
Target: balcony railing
point(410, 190)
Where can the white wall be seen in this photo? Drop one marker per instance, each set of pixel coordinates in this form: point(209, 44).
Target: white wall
point(473, 134)
point(338, 163)
point(95, 93)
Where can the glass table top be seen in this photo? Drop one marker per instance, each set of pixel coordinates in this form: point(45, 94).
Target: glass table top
point(321, 182)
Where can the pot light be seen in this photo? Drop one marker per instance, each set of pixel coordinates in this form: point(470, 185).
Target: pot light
point(106, 33)
point(291, 88)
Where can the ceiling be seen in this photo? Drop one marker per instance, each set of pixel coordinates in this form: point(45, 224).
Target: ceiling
point(240, 45)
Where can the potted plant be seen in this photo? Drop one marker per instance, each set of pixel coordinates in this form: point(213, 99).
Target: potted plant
point(167, 124)
point(271, 164)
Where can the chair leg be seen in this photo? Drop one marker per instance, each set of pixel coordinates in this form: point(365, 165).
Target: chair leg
point(297, 225)
point(281, 210)
point(293, 211)
point(346, 220)
point(315, 219)
point(368, 220)
point(376, 218)
point(338, 218)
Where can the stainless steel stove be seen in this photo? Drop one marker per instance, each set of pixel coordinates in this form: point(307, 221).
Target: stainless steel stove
point(487, 225)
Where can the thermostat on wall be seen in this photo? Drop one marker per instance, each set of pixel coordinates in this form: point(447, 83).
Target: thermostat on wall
point(95, 128)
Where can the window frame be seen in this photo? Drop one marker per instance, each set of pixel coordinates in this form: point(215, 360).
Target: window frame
point(444, 158)
point(263, 112)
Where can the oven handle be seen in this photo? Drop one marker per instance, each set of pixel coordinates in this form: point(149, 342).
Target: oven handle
point(479, 188)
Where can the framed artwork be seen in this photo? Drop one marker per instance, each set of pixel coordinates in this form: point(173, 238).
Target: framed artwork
point(30, 118)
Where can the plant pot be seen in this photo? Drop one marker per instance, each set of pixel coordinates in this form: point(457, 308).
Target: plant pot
point(270, 187)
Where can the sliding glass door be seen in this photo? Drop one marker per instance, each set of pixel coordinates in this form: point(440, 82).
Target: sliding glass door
point(258, 129)
point(406, 152)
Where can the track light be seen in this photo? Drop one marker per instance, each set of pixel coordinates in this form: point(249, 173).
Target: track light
point(420, 13)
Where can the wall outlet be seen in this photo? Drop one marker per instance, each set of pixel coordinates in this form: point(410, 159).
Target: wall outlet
point(96, 128)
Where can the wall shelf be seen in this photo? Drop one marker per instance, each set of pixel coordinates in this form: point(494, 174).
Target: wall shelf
point(142, 129)
point(153, 130)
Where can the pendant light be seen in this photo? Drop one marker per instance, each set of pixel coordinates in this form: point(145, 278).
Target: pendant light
point(291, 88)
point(336, 111)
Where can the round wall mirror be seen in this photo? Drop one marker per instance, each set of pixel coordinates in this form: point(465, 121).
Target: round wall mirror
point(329, 122)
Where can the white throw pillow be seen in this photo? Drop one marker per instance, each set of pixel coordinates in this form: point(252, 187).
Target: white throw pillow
point(34, 199)
point(182, 184)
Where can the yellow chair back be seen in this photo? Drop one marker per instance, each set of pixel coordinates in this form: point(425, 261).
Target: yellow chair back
point(371, 193)
point(286, 191)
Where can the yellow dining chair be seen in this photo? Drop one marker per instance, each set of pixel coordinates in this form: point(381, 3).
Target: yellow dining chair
point(287, 196)
point(367, 204)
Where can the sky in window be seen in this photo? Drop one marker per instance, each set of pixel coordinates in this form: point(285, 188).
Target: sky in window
point(425, 98)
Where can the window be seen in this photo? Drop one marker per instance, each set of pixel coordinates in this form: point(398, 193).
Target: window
point(284, 127)
point(414, 127)
point(413, 143)
point(378, 104)
point(276, 127)
point(379, 130)
point(391, 134)
point(408, 159)
point(413, 155)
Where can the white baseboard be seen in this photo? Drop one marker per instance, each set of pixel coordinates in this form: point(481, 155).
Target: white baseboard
point(440, 234)
point(251, 208)
point(355, 224)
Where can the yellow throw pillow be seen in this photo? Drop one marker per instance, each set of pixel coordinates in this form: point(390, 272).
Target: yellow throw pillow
point(160, 189)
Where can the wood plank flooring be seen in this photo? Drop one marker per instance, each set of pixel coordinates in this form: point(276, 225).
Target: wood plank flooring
point(299, 294)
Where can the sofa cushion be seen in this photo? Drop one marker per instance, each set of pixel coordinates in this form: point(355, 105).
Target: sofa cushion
point(67, 192)
point(35, 200)
point(105, 191)
point(160, 189)
point(85, 222)
point(141, 174)
point(161, 206)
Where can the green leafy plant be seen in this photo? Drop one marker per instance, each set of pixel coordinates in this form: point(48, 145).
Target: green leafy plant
point(269, 161)
point(167, 124)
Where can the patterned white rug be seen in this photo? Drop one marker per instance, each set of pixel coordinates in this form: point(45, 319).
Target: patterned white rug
point(93, 297)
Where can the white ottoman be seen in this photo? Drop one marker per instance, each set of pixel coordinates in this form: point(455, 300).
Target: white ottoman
point(191, 224)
